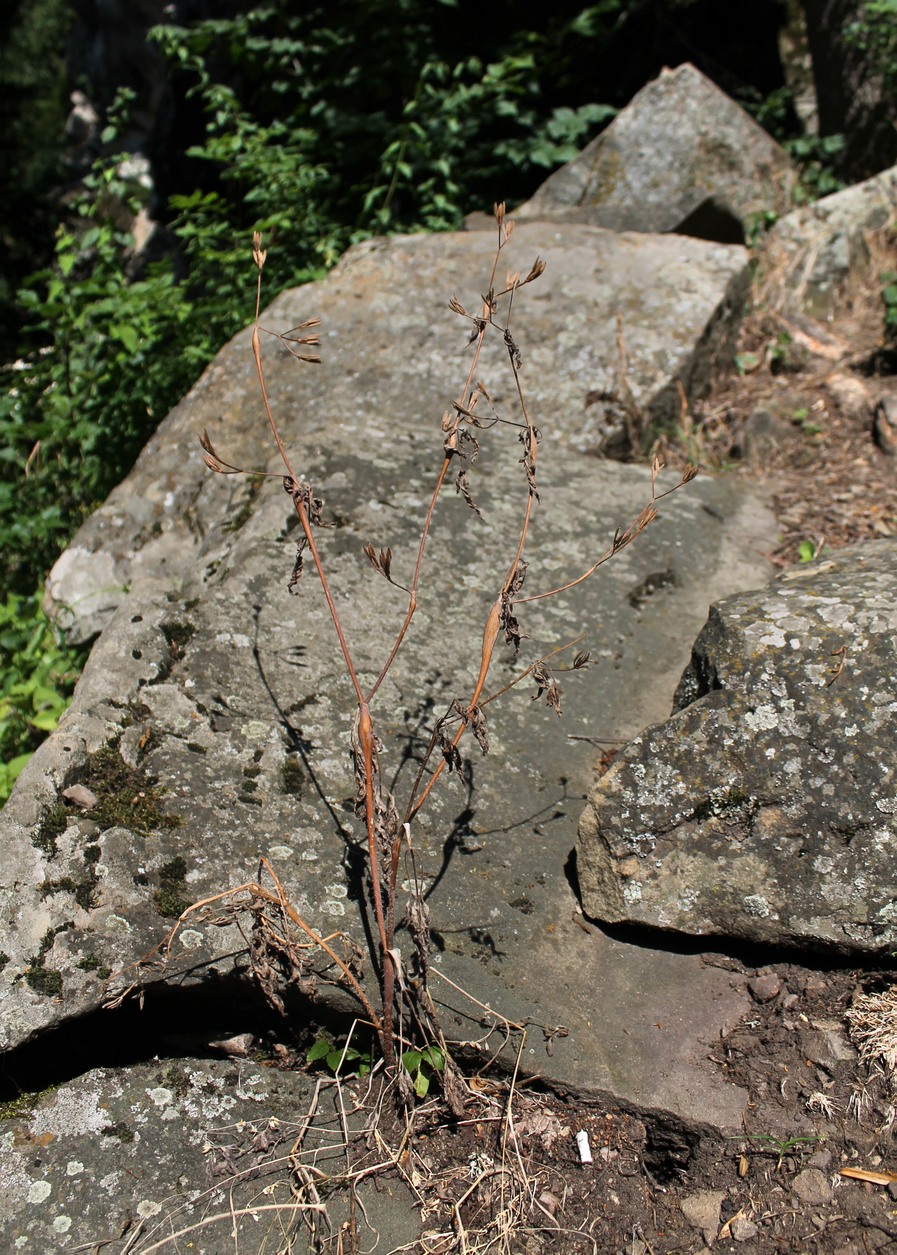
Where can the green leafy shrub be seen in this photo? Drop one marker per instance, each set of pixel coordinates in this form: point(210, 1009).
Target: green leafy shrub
point(37, 677)
point(107, 361)
point(326, 156)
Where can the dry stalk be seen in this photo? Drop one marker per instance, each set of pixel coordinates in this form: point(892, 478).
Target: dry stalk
point(403, 992)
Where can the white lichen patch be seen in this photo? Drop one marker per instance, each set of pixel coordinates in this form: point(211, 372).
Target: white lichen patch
point(191, 939)
point(115, 923)
point(160, 1096)
point(147, 1207)
point(70, 1113)
point(74, 1168)
point(763, 719)
point(62, 1224)
point(757, 906)
point(39, 1192)
point(773, 639)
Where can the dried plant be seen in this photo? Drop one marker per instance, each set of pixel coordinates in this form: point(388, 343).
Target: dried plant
point(873, 1027)
point(279, 935)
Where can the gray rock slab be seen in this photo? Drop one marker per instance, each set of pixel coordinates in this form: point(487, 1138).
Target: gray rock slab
point(764, 808)
point(394, 357)
point(187, 1154)
point(682, 156)
point(811, 254)
point(213, 682)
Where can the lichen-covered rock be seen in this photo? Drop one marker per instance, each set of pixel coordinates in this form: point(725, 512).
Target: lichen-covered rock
point(682, 156)
point(765, 807)
point(813, 253)
point(213, 720)
point(393, 352)
point(122, 1158)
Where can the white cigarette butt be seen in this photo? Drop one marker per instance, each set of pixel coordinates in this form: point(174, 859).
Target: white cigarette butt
point(585, 1151)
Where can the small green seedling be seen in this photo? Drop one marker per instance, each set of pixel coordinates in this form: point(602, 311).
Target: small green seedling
point(781, 1146)
point(747, 363)
point(810, 550)
point(422, 1064)
point(345, 1059)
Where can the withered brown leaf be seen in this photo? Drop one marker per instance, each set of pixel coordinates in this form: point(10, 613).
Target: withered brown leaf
point(479, 727)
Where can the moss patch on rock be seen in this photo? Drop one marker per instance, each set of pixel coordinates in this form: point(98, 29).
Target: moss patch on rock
point(170, 898)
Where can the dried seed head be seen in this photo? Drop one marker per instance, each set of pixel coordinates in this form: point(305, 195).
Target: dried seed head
point(258, 253)
point(457, 308)
point(499, 210)
point(689, 473)
point(538, 268)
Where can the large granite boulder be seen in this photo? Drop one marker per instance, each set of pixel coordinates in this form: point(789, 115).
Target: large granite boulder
point(764, 809)
point(812, 254)
point(682, 156)
point(390, 339)
point(212, 723)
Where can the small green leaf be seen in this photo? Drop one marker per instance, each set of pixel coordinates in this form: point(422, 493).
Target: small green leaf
point(126, 335)
point(434, 1057)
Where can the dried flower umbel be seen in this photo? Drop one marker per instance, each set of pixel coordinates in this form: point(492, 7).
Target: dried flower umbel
point(403, 992)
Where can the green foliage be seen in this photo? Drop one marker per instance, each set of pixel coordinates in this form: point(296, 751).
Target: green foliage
point(781, 1147)
point(875, 31)
point(422, 1064)
point(347, 1060)
point(815, 157)
point(806, 550)
point(810, 550)
point(107, 358)
point(37, 676)
point(343, 1060)
point(33, 109)
point(328, 155)
point(889, 298)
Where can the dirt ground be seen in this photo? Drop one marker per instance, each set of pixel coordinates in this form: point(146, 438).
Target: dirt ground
point(507, 1173)
point(813, 1110)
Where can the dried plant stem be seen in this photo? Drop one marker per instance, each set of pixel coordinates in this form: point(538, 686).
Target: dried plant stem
point(280, 899)
point(384, 831)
